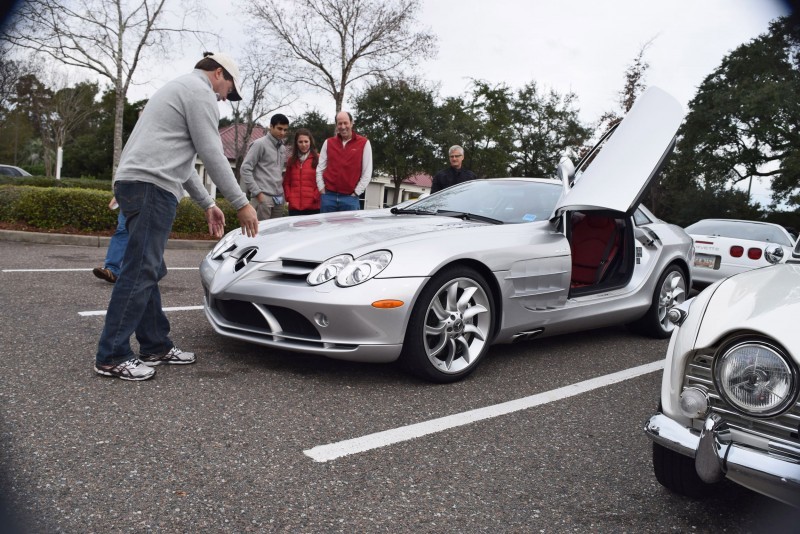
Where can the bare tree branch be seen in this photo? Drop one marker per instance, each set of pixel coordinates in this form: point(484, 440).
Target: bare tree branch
point(107, 37)
point(330, 44)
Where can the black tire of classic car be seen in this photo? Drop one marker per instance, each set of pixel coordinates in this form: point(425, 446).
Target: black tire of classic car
point(670, 290)
point(450, 327)
point(676, 472)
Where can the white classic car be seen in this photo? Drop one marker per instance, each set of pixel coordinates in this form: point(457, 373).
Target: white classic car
point(729, 396)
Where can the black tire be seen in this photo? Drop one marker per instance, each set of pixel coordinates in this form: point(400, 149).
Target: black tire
point(450, 326)
point(676, 472)
point(670, 290)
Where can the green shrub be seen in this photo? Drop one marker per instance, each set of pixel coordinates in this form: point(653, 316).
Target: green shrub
point(53, 208)
point(9, 196)
point(41, 181)
point(50, 208)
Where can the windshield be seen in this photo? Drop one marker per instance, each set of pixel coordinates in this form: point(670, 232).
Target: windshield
point(508, 201)
point(741, 230)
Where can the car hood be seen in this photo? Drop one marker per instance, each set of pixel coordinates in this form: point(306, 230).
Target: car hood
point(765, 300)
point(618, 176)
point(319, 237)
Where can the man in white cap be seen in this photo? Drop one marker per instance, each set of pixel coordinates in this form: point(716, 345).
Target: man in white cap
point(178, 124)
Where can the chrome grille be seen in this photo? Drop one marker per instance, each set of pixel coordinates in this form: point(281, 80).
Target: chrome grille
point(784, 427)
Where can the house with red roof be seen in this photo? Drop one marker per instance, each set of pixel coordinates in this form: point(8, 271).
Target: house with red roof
point(380, 191)
point(233, 137)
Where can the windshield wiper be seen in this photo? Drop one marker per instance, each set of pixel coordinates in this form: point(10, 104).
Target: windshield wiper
point(468, 216)
point(411, 211)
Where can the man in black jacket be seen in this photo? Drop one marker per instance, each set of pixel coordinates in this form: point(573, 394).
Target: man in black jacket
point(455, 173)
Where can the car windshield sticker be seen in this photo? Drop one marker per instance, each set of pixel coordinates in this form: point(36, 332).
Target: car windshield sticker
point(528, 217)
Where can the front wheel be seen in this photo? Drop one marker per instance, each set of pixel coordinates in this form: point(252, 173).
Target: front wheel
point(677, 473)
point(450, 326)
point(670, 291)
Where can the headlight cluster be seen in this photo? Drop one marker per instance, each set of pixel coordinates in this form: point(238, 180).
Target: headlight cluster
point(348, 271)
point(756, 378)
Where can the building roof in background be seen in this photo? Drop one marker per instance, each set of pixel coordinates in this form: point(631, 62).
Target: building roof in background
point(421, 179)
point(228, 135)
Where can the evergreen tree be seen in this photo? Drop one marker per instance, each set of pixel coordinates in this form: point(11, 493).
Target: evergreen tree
point(743, 122)
point(396, 117)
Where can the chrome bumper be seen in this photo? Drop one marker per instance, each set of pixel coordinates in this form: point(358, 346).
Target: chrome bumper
point(717, 457)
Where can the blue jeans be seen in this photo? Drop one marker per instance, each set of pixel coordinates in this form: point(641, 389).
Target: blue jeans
point(135, 305)
point(338, 202)
point(117, 246)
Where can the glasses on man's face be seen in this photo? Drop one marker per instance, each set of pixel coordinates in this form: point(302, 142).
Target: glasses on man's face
point(456, 156)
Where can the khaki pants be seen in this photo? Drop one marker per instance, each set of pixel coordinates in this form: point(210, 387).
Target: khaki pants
point(267, 209)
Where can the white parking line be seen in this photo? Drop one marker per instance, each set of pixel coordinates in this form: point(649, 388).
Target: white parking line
point(174, 308)
point(83, 270)
point(331, 451)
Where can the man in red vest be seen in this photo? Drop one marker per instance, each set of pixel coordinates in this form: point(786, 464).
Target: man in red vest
point(345, 167)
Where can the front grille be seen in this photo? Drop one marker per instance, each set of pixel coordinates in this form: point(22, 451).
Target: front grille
point(284, 320)
point(784, 427)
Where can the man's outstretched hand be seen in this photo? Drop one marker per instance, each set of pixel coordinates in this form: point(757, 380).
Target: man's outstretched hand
point(216, 221)
point(248, 220)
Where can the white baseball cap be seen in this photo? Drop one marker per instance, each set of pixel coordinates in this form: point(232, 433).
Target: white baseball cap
point(227, 63)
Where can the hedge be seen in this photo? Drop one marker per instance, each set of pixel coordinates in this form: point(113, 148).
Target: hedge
point(41, 181)
point(53, 208)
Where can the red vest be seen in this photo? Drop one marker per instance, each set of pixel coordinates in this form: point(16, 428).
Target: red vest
point(300, 184)
point(343, 170)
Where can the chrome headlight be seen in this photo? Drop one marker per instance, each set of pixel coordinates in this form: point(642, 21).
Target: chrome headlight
point(773, 253)
point(328, 269)
point(363, 268)
point(756, 378)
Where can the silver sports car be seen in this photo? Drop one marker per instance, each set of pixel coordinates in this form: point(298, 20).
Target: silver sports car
point(437, 282)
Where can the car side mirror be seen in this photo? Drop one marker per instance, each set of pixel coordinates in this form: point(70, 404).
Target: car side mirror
point(565, 170)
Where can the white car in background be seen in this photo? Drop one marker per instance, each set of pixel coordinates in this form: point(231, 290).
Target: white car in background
point(11, 170)
point(724, 247)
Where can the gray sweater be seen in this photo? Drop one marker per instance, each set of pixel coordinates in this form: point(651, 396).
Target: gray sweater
point(179, 123)
point(262, 168)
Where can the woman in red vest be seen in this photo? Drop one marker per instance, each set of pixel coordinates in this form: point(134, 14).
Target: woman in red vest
point(300, 178)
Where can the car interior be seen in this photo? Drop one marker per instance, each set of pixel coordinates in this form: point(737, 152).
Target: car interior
point(602, 257)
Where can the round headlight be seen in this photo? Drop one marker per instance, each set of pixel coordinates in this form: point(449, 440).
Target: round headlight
point(755, 378)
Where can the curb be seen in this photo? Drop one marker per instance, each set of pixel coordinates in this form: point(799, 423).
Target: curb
point(92, 240)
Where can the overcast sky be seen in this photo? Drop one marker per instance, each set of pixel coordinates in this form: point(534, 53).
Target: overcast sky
point(583, 46)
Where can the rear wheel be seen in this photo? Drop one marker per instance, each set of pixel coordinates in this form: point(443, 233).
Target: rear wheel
point(450, 326)
point(676, 472)
point(670, 291)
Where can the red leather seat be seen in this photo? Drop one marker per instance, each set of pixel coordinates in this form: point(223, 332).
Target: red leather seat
point(595, 242)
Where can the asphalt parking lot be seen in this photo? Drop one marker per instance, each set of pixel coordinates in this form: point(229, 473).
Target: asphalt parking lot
point(224, 445)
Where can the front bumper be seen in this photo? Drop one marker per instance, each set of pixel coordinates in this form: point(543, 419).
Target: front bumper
point(775, 475)
point(258, 306)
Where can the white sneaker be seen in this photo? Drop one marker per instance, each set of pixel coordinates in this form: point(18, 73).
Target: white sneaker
point(174, 357)
point(132, 369)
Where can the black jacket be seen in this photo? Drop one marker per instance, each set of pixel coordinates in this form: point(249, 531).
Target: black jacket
point(449, 176)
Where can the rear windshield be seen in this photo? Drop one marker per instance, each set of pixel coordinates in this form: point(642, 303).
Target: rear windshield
point(741, 230)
